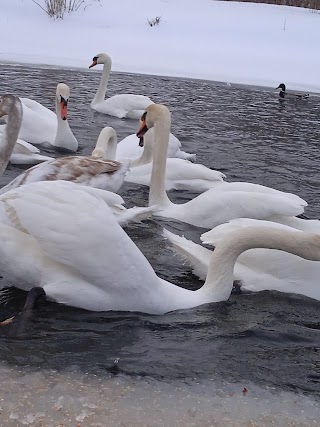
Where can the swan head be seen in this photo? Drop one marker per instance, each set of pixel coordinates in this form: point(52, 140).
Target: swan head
point(282, 86)
point(101, 58)
point(155, 113)
point(62, 95)
point(7, 102)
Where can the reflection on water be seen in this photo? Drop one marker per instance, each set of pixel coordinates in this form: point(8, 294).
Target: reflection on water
point(267, 338)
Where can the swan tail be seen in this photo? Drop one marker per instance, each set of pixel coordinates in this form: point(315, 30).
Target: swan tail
point(33, 159)
point(135, 214)
point(186, 156)
point(195, 255)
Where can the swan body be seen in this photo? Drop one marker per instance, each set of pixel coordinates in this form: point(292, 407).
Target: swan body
point(128, 147)
point(40, 125)
point(179, 175)
point(121, 106)
point(70, 244)
point(95, 170)
point(212, 207)
point(256, 269)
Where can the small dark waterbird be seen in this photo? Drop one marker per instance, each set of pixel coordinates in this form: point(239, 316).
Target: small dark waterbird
point(285, 95)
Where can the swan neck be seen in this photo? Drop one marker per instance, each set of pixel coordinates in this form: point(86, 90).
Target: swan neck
point(64, 136)
point(147, 153)
point(106, 146)
point(157, 193)
point(102, 88)
point(219, 281)
point(10, 134)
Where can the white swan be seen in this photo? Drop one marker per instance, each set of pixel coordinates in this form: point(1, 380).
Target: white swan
point(25, 153)
point(121, 106)
point(40, 125)
point(95, 170)
point(257, 269)
point(128, 147)
point(179, 175)
point(212, 207)
point(11, 106)
point(70, 244)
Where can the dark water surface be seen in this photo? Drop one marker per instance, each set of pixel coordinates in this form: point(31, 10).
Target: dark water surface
point(268, 338)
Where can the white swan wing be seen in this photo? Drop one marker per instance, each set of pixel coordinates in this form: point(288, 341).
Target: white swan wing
point(195, 255)
point(39, 124)
point(79, 231)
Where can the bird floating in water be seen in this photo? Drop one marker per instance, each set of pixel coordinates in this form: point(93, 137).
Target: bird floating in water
point(284, 95)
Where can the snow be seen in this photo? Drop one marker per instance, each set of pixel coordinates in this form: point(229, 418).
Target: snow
point(255, 44)
point(67, 398)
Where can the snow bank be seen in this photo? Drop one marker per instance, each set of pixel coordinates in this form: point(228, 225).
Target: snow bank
point(249, 43)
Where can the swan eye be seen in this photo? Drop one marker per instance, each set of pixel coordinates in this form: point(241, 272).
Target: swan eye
point(64, 101)
point(95, 58)
point(143, 117)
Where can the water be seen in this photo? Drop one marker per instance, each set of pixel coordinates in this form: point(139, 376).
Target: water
point(267, 342)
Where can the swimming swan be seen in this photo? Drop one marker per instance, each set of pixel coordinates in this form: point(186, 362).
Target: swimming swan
point(179, 175)
point(128, 147)
point(127, 106)
point(256, 269)
point(95, 170)
point(41, 125)
point(212, 207)
point(11, 106)
point(70, 244)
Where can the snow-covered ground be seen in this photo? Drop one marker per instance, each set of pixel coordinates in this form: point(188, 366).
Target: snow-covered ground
point(234, 42)
point(71, 399)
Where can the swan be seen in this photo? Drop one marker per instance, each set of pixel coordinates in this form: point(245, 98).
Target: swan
point(179, 175)
point(257, 269)
point(128, 147)
point(25, 153)
point(70, 244)
point(127, 106)
point(41, 125)
point(212, 207)
point(95, 170)
point(11, 106)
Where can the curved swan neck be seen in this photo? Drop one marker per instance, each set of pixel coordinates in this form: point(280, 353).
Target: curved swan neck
point(106, 146)
point(102, 88)
point(10, 133)
point(219, 279)
point(157, 193)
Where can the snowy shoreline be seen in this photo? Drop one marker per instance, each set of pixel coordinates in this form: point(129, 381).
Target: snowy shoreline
point(241, 43)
